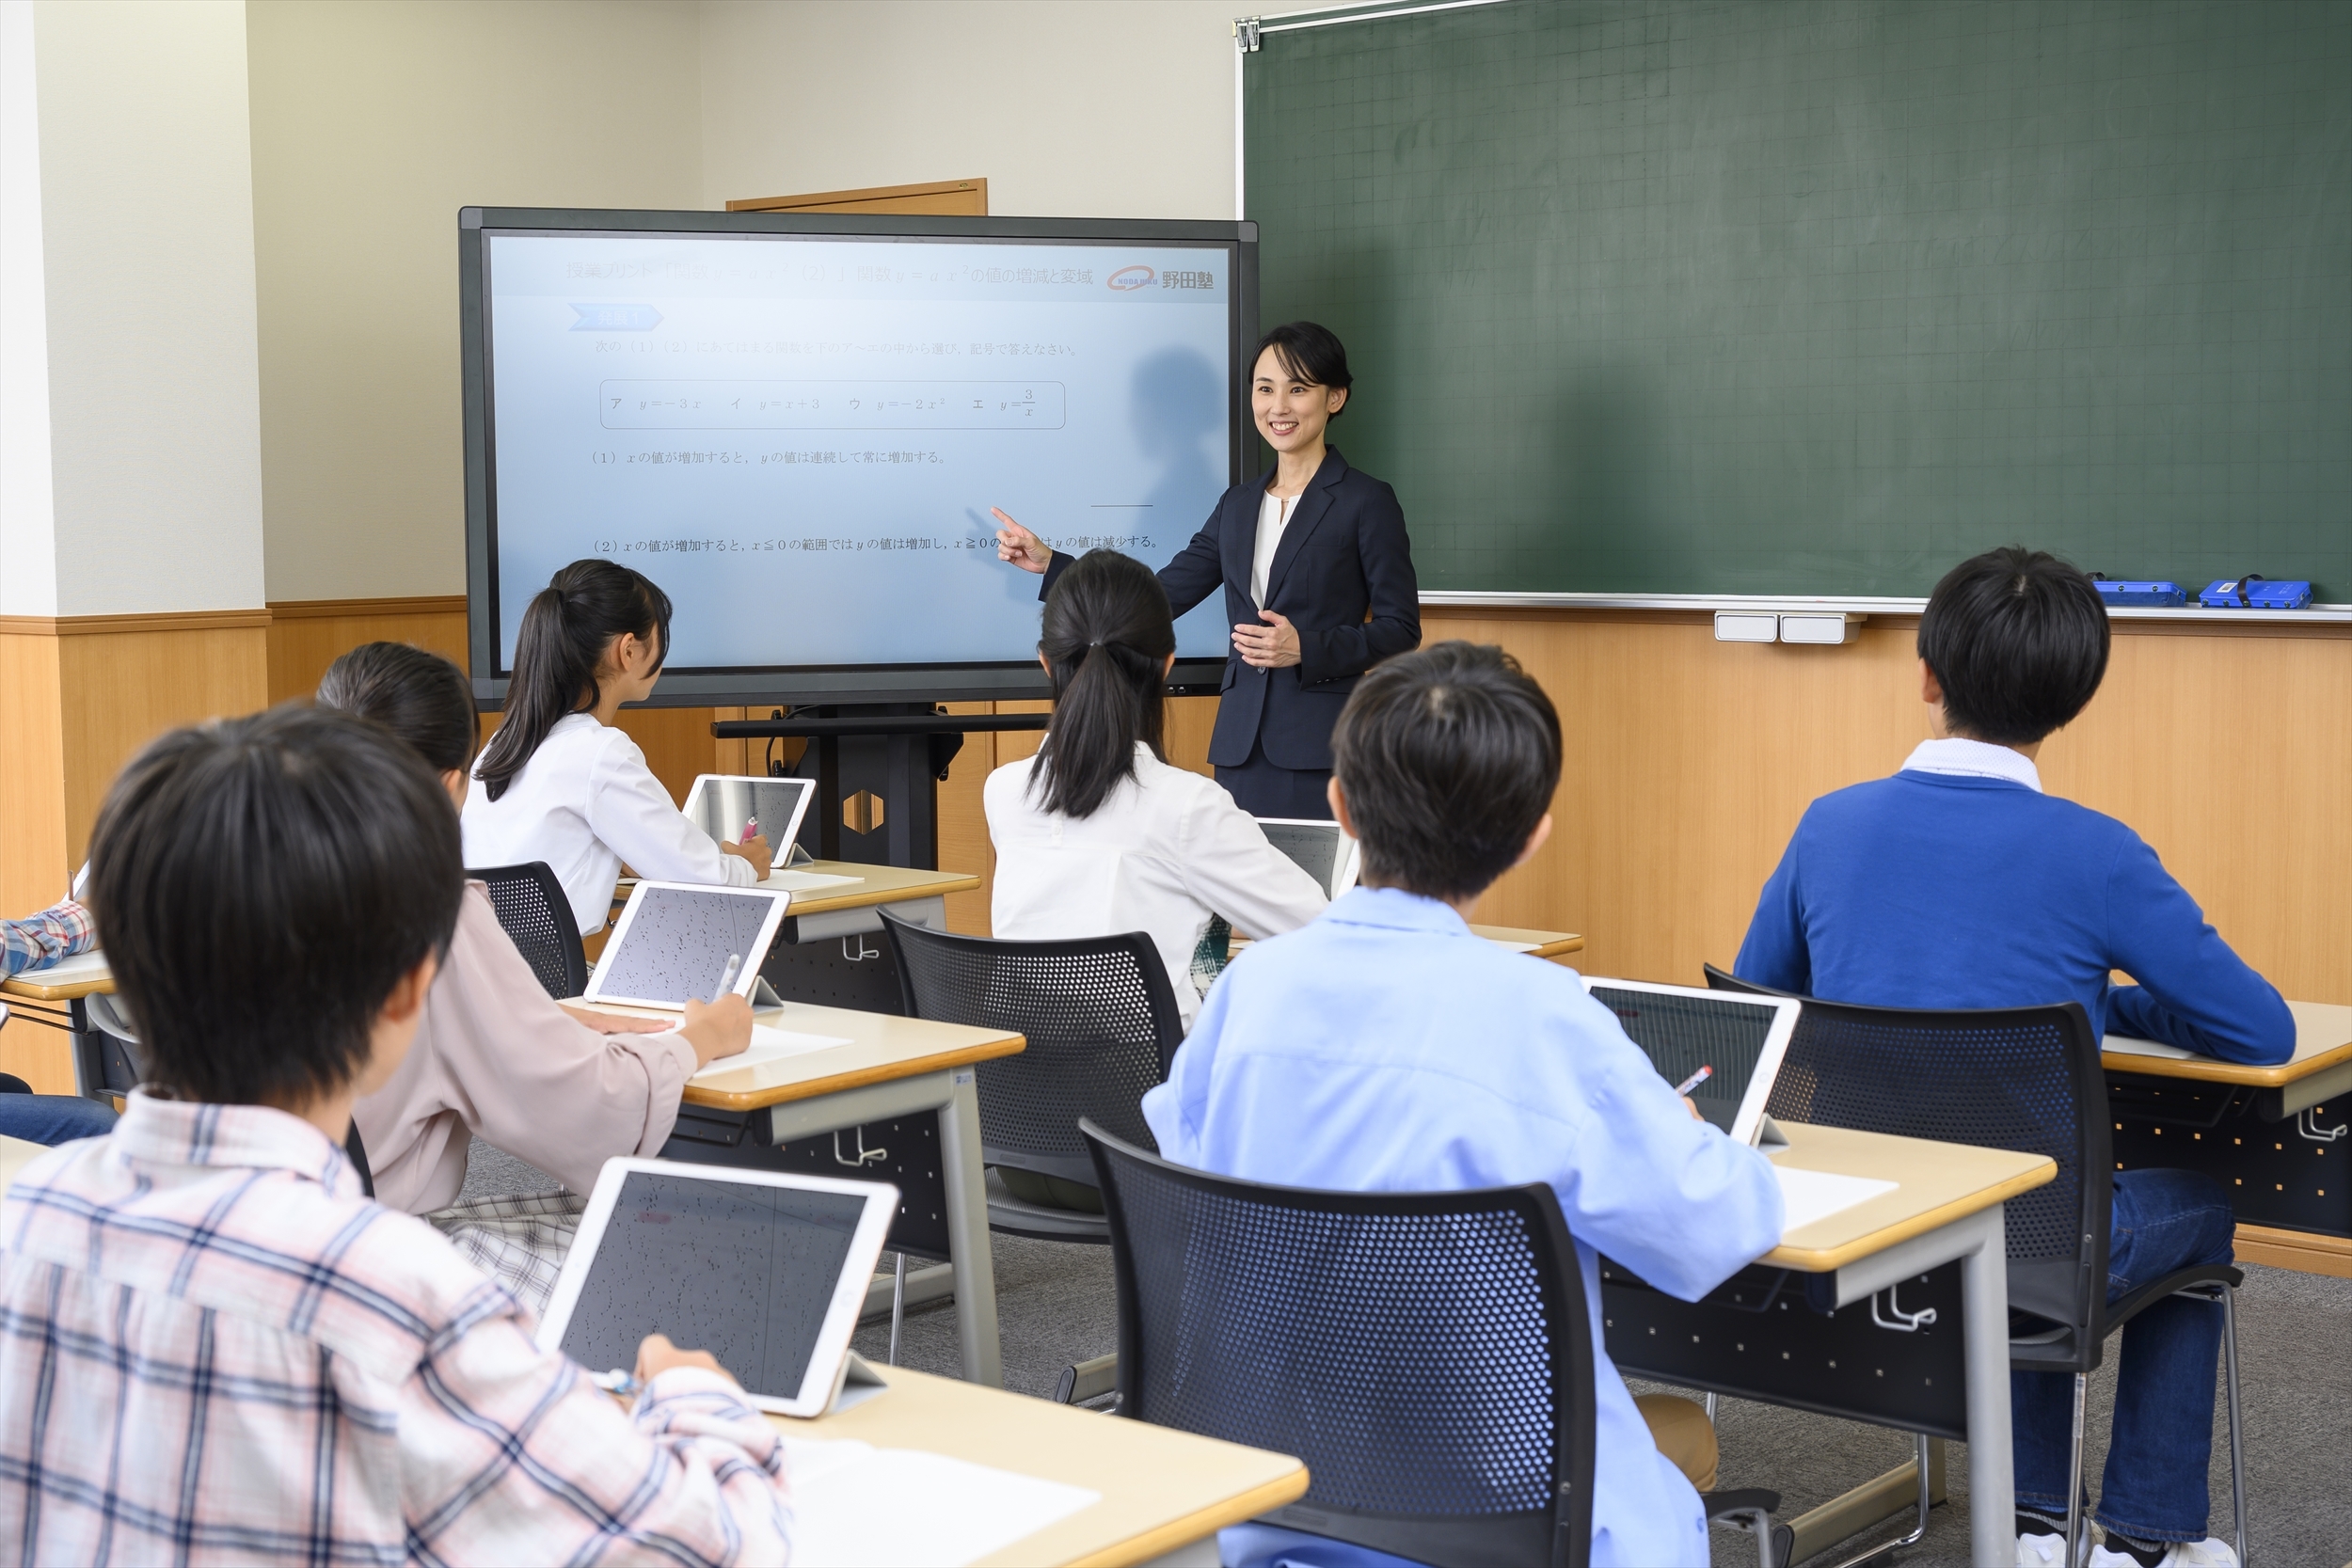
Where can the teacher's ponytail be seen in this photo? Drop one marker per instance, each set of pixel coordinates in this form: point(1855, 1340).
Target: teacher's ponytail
point(558, 651)
point(1107, 637)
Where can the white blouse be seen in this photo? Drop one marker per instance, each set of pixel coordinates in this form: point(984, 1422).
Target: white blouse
point(1167, 851)
point(1274, 515)
point(584, 803)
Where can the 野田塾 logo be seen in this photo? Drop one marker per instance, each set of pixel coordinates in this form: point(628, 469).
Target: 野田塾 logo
point(1137, 276)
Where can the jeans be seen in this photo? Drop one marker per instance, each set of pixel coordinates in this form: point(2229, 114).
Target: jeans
point(2162, 1439)
point(54, 1118)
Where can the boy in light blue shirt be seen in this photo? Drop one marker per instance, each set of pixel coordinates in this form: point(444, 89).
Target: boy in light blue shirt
point(1385, 1048)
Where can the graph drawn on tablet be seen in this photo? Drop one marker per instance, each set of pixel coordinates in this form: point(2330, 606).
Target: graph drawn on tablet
point(679, 942)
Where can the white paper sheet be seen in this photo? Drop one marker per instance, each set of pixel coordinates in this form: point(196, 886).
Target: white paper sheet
point(1807, 1196)
point(862, 1507)
point(770, 1045)
point(65, 972)
point(801, 881)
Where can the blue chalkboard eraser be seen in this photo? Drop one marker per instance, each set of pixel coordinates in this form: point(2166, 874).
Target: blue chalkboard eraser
point(2140, 592)
point(2255, 593)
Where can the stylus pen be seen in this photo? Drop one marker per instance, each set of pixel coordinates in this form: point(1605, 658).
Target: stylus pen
point(726, 981)
point(751, 830)
point(1694, 1080)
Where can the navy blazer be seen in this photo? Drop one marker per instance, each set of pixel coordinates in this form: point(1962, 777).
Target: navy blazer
point(1343, 574)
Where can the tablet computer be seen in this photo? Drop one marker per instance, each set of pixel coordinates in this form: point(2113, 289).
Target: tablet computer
point(1319, 847)
point(679, 940)
point(765, 1270)
point(1681, 1029)
point(727, 806)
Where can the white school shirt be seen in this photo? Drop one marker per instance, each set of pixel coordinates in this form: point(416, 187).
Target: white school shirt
point(1973, 759)
point(584, 803)
point(1274, 515)
point(1165, 851)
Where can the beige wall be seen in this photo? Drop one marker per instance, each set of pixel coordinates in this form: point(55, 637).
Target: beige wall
point(145, 272)
point(1069, 108)
point(374, 122)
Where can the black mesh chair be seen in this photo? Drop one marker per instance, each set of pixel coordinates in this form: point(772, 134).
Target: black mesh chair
point(1102, 1025)
point(2019, 1078)
point(1428, 1354)
point(532, 910)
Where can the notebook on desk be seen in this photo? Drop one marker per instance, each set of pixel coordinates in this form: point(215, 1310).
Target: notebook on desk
point(766, 1270)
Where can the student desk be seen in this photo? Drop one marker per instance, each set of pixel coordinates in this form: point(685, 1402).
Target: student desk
point(1162, 1490)
point(828, 1113)
point(101, 1071)
point(2279, 1138)
point(1828, 1334)
point(1535, 944)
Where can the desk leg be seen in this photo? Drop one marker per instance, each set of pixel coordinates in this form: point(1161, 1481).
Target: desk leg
point(1992, 1480)
point(967, 1234)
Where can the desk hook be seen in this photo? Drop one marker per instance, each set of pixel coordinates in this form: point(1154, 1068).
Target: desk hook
point(862, 952)
point(1904, 1323)
point(865, 1156)
point(2307, 1123)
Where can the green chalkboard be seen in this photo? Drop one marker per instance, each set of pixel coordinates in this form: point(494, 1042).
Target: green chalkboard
point(1819, 297)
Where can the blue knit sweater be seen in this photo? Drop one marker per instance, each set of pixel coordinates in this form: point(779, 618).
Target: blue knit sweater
point(1930, 890)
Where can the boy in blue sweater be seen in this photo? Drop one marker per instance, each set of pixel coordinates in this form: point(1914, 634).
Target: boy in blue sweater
point(1958, 883)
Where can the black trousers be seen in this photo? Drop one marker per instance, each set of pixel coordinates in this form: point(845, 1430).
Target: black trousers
point(1262, 789)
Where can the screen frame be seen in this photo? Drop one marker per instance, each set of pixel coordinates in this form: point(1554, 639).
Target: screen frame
point(779, 900)
point(1747, 1127)
point(832, 1350)
point(806, 685)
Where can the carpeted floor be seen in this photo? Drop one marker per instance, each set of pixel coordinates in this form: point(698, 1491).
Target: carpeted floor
point(1056, 1305)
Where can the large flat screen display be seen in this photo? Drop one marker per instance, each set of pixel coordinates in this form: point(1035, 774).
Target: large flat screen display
point(798, 427)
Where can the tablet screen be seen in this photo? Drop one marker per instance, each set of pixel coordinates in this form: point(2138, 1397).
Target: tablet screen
point(724, 804)
point(1683, 1034)
point(746, 1272)
point(679, 942)
point(1315, 846)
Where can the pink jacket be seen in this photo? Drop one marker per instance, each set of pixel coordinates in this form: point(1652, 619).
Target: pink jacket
point(496, 1056)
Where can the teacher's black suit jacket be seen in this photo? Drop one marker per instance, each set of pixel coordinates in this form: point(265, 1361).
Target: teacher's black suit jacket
point(1343, 574)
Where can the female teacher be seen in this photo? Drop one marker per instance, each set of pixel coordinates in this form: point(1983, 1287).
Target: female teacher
point(1318, 580)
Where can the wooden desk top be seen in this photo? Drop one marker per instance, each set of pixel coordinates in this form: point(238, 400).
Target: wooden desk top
point(1940, 1183)
point(2322, 1039)
point(875, 884)
point(66, 980)
point(1160, 1487)
point(882, 1046)
point(1540, 944)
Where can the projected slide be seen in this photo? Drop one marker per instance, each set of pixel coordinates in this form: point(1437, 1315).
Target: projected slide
point(800, 439)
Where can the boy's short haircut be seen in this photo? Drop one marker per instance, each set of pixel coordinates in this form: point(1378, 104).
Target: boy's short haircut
point(260, 885)
point(2018, 641)
point(1448, 757)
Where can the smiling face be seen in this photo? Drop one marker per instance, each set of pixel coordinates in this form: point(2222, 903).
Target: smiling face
point(1291, 411)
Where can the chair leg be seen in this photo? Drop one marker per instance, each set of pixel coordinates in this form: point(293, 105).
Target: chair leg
point(2237, 1429)
point(2074, 1521)
point(897, 1304)
point(1711, 1409)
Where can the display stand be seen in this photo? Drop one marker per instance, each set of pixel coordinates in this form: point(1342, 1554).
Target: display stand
point(897, 752)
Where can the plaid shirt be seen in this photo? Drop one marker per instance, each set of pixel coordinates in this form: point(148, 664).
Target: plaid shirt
point(213, 1349)
point(57, 932)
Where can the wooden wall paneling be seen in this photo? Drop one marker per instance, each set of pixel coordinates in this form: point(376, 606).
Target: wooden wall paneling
point(1189, 722)
point(34, 867)
point(964, 841)
point(307, 635)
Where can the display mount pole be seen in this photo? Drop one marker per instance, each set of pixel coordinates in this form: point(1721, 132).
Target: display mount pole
point(895, 753)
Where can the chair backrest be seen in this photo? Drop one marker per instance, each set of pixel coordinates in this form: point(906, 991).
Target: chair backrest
point(533, 911)
point(1100, 1020)
point(2019, 1078)
point(1426, 1353)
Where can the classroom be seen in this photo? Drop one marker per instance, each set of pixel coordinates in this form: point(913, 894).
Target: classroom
point(1446, 782)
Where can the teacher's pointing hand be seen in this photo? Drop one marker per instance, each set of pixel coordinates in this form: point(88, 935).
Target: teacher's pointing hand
point(1019, 545)
point(1274, 647)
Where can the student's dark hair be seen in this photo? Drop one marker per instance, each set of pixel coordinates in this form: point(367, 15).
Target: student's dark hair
point(420, 697)
point(1107, 635)
point(563, 635)
point(260, 885)
point(2018, 641)
point(1311, 352)
point(1448, 757)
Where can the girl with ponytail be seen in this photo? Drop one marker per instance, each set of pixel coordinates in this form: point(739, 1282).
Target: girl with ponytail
point(559, 782)
point(1098, 833)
